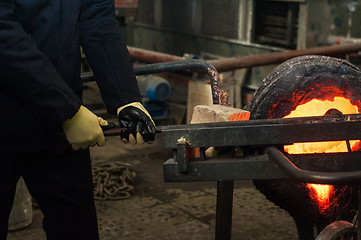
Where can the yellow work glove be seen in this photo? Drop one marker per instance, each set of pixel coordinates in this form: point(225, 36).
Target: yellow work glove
point(137, 123)
point(83, 129)
point(102, 122)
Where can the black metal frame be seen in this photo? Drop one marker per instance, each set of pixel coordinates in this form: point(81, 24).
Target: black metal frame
point(258, 135)
point(265, 132)
point(261, 134)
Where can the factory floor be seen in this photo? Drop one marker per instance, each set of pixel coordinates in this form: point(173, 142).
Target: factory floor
point(157, 210)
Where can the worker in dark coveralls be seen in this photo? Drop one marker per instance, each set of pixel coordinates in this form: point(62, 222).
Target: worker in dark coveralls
point(45, 131)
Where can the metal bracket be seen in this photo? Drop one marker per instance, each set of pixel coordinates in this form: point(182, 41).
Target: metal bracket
point(181, 155)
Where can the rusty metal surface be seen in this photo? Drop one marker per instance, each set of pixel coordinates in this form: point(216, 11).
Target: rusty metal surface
point(185, 65)
point(151, 56)
point(127, 8)
point(279, 57)
point(233, 63)
point(174, 66)
point(126, 3)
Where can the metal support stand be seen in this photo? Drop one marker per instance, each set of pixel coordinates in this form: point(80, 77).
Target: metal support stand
point(358, 212)
point(270, 164)
point(224, 209)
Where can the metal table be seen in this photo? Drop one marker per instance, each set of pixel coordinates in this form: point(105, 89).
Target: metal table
point(267, 138)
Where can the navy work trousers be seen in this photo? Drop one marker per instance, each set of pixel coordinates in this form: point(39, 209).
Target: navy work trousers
point(62, 186)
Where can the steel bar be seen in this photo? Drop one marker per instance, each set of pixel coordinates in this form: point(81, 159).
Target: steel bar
point(224, 209)
point(228, 64)
point(253, 167)
point(311, 176)
point(151, 56)
point(358, 212)
point(183, 65)
point(181, 155)
point(265, 132)
point(172, 131)
point(116, 131)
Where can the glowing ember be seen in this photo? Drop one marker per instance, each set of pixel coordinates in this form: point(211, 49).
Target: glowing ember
point(320, 192)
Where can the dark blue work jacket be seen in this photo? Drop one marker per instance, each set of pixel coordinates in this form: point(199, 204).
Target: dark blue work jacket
point(40, 84)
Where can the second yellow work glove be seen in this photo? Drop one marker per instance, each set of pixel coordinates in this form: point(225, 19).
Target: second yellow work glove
point(83, 129)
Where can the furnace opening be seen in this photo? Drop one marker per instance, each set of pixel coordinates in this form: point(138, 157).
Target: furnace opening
point(302, 87)
point(320, 192)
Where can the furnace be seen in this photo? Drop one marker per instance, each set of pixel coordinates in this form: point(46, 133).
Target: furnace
point(302, 87)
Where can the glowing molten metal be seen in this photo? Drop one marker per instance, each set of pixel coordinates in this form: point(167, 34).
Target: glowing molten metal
point(320, 192)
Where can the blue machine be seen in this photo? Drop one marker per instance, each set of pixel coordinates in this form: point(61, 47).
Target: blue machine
point(155, 92)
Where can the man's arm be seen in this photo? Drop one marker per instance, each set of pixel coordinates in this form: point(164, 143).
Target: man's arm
point(107, 54)
point(29, 76)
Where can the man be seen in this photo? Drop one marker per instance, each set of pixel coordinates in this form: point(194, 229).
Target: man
point(45, 129)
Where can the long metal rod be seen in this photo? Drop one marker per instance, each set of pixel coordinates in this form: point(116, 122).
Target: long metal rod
point(183, 65)
point(311, 176)
point(256, 167)
point(227, 64)
point(265, 132)
point(151, 56)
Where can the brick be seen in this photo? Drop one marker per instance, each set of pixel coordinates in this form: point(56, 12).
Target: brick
point(218, 113)
point(214, 113)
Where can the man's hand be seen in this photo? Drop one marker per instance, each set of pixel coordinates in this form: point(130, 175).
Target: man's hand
point(139, 125)
point(83, 129)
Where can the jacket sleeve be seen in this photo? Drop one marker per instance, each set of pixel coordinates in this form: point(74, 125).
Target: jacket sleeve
point(107, 54)
point(29, 76)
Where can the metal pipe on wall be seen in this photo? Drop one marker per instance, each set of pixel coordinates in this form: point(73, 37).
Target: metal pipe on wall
point(174, 66)
point(151, 56)
point(227, 64)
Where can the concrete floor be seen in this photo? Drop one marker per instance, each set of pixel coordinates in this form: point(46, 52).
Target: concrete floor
point(159, 210)
point(170, 211)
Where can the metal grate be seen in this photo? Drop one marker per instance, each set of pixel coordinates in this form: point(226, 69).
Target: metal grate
point(220, 18)
point(276, 23)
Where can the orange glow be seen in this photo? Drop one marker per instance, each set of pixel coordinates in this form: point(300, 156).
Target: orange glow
point(322, 193)
point(318, 108)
